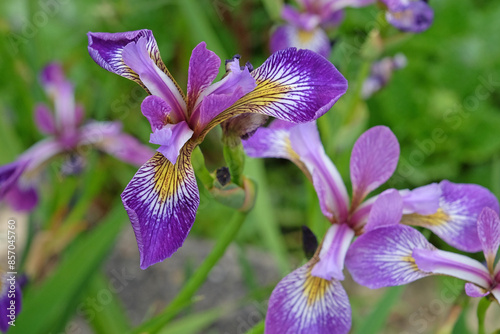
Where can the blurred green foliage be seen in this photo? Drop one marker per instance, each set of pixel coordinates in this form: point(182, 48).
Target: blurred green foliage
point(444, 107)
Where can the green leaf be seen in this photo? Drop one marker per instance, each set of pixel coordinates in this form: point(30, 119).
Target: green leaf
point(110, 317)
point(376, 320)
point(194, 323)
point(51, 305)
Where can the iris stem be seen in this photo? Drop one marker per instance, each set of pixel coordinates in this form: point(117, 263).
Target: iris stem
point(184, 298)
point(482, 307)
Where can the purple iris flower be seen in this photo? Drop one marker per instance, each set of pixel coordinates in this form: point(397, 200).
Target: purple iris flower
point(398, 254)
point(409, 15)
point(381, 73)
point(18, 179)
point(305, 27)
point(162, 198)
point(311, 299)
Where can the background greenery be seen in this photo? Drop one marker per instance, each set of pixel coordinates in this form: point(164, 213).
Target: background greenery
point(442, 90)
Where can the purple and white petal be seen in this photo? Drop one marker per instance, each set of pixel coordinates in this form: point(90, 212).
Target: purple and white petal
point(383, 257)
point(287, 36)
point(496, 293)
point(203, 69)
point(386, 211)
point(472, 290)
point(304, 304)
point(221, 95)
point(456, 220)
point(488, 228)
point(172, 138)
point(161, 201)
point(293, 85)
point(157, 111)
point(332, 194)
point(413, 16)
point(108, 137)
point(332, 254)
point(374, 159)
point(138, 57)
point(44, 119)
point(436, 261)
point(271, 142)
point(422, 200)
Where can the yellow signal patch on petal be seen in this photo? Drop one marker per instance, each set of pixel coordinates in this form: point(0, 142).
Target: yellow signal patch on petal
point(315, 288)
point(436, 219)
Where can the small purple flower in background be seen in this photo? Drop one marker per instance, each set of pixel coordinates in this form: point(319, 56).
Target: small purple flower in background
point(399, 255)
point(381, 73)
point(162, 198)
point(409, 15)
point(305, 28)
point(311, 299)
point(65, 135)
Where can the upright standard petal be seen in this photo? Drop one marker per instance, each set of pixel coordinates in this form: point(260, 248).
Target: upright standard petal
point(383, 257)
point(374, 159)
point(333, 250)
point(293, 85)
point(304, 304)
point(161, 201)
point(203, 69)
point(456, 220)
point(107, 49)
point(44, 119)
point(332, 194)
point(386, 211)
point(488, 228)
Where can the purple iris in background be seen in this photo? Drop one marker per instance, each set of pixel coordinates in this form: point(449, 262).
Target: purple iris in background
point(18, 179)
point(381, 73)
point(162, 198)
point(305, 27)
point(311, 299)
point(409, 15)
point(399, 254)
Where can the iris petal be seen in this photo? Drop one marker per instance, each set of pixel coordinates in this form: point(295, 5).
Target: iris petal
point(161, 201)
point(304, 304)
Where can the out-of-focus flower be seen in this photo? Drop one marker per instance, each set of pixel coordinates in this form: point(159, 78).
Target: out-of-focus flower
point(409, 15)
point(305, 26)
point(381, 73)
point(400, 254)
point(311, 299)
point(66, 134)
point(162, 198)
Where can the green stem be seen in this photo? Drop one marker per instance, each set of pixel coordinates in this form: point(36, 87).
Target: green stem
point(187, 292)
point(482, 307)
point(235, 159)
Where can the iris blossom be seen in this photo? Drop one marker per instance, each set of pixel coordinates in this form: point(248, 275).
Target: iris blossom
point(162, 198)
point(311, 299)
point(65, 134)
point(399, 254)
point(409, 15)
point(305, 27)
